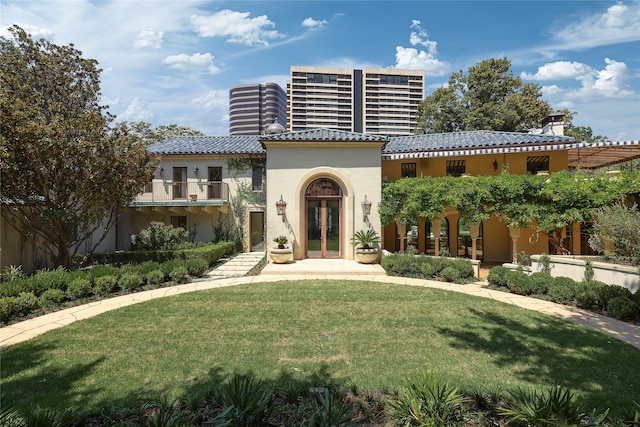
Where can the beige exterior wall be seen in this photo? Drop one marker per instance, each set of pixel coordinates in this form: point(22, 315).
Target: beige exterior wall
point(290, 169)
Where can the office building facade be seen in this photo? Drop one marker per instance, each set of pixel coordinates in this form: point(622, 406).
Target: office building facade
point(253, 107)
point(381, 101)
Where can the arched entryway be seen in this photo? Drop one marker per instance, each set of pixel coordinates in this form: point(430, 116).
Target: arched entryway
point(323, 219)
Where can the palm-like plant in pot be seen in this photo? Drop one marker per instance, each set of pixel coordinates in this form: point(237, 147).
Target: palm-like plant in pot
point(281, 254)
point(365, 241)
point(281, 241)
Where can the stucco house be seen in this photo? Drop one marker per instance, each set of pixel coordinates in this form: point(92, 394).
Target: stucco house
point(228, 186)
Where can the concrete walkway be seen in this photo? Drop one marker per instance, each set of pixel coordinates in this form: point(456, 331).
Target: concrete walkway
point(310, 270)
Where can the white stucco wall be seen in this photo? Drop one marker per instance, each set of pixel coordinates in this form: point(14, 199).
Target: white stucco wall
point(290, 168)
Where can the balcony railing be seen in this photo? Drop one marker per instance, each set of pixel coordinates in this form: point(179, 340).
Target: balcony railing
point(183, 192)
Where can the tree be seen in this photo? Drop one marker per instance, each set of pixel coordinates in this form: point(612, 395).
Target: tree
point(162, 132)
point(66, 172)
point(488, 97)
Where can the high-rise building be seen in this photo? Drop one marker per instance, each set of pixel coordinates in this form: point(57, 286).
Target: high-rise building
point(380, 101)
point(253, 107)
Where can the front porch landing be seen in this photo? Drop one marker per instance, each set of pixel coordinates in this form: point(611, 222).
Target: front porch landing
point(334, 267)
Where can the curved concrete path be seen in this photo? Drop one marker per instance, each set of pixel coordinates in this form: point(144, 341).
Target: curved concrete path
point(28, 329)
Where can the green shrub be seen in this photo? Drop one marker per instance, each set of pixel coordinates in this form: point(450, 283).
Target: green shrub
point(51, 298)
point(145, 267)
point(196, 267)
point(439, 263)
point(557, 407)
point(50, 279)
point(103, 270)
point(587, 293)
point(130, 281)
point(427, 271)
point(15, 287)
point(449, 274)
point(620, 225)
point(25, 303)
point(7, 308)
point(159, 236)
point(79, 288)
point(519, 283)
point(11, 273)
point(562, 290)
point(608, 292)
point(105, 285)
point(464, 267)
point(401, 265)
point(540, 282)
point(179, 274)
point(155, 277)
point(622, 308)
point(496, 276)
point(168, 266)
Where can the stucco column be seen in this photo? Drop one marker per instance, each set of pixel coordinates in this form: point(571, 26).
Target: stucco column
point(474, 231)
point(435, 227)
point(515, 235)
point(402, 234)
point(575, 238)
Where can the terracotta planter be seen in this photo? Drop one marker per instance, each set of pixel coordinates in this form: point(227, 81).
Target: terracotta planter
point(280, 256)
point(367, 256)
point(194, 197)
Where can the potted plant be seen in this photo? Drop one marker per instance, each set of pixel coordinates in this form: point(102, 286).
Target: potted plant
point(365, 241)
point(280, 254)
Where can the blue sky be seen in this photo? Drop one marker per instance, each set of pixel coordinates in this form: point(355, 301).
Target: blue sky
point(174, 61)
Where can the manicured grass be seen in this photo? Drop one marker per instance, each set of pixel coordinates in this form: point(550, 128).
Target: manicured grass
point(366, 334)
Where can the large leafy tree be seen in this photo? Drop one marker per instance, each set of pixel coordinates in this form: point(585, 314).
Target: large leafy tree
point(66, 171)
point(162, 132)
point(487, 97)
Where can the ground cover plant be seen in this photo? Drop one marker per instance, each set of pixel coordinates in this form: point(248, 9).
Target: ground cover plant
point(361, 339)
point(457, 270)
point(53, 289)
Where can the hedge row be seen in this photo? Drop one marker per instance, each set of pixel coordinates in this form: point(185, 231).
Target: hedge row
point(456, 270)
point(616, 301)
point(212, 253)
point(49, 289)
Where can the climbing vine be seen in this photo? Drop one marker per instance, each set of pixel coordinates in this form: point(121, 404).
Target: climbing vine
point(552, 202)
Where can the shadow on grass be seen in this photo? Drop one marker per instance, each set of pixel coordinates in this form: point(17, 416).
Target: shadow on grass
point(547, 351)
point(20, 388)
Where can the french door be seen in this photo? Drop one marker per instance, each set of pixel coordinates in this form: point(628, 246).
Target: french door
point(324, 227)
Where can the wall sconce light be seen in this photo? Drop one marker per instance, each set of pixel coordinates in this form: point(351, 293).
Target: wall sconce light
point(281, 206)
point(366, 208)
point(495, 165)
point(195, 170)
point(161, 172)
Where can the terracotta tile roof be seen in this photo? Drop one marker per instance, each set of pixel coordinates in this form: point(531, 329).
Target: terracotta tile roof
point(244, 144)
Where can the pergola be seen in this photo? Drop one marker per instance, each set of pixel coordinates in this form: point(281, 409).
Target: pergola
point(598, 154)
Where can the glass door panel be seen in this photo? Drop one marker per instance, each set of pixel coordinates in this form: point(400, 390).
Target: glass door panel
point(314, 228)
point(332, 241)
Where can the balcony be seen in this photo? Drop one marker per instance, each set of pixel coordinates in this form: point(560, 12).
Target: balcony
point(193, 193)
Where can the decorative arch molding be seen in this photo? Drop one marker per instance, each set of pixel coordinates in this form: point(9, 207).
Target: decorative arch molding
point(347, 205)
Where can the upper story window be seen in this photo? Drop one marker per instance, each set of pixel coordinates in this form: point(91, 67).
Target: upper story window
point(408, 170)
point(456, 167)
point(394, 80)
point(215, 173)
point(256, 178)
point(537, 164)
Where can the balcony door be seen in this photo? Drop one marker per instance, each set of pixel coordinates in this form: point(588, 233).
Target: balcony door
point(324, 219)
point(179, 183)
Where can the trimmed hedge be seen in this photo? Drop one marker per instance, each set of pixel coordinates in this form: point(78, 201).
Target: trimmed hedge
point(428, 267)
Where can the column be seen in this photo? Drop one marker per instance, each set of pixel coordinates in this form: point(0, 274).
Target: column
point(514, 233)
point(474, 230)
point(435, 228)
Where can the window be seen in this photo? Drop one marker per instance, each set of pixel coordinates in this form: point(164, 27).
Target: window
point(394, 80)
point(456, 167)
point(408, 170)
point(215, 182)
point(537, 164)
point(179, 221)
point(256, 178)
point(148, 187)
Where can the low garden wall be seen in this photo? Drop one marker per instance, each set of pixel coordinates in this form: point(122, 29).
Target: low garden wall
point(573, 267)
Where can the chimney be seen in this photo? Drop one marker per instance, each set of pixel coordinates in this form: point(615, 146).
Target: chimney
point(553, 124)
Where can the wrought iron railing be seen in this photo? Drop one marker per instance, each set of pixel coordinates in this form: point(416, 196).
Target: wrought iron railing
point(170, 191)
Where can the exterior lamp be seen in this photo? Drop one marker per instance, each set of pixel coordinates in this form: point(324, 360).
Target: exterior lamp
point(195, 170)
point(495, 165)
point(281, 206)
point(366, 208)
point(161, 172)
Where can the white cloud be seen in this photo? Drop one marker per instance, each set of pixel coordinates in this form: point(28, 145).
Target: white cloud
point(619, 24)
point(414, 59)
point(410, 59)
point(559, 70)
point(551, 90)
point(312, 23)
point(612, 81)
point(137, 111)
point(149, 38)
point(237, 26)
point(200, 61)
point(213, 100)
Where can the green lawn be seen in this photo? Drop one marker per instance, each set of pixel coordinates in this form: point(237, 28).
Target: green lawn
point(368, 334)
